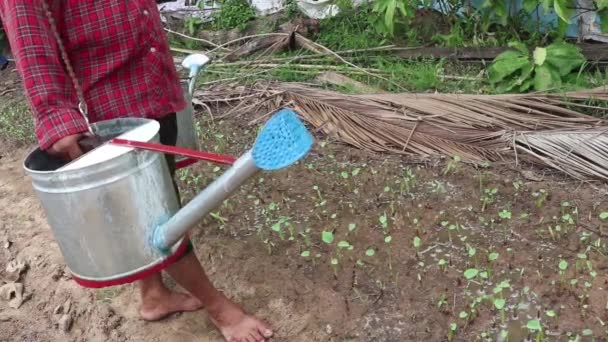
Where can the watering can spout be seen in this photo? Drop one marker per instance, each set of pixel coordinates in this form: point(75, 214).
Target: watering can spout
point(283, 141)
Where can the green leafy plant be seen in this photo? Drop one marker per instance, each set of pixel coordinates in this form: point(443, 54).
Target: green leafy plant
point(233, 14)
point(387, 13)
point(547, 68)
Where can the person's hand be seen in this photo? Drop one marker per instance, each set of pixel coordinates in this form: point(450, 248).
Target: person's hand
point(67, 147)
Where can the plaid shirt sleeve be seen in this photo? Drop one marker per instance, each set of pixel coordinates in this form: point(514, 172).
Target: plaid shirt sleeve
point(48, 88)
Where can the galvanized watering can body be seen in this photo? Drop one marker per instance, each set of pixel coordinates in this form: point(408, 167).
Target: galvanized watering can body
point(117, 219)
point(100, 214)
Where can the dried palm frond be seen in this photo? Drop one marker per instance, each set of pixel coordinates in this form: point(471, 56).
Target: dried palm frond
point(582, 154)
point(474, 127)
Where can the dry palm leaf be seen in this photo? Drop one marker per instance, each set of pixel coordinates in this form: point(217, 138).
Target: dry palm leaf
point(582, 153)
point(474, 127)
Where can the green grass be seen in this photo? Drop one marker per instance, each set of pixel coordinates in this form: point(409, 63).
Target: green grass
point(16, 122)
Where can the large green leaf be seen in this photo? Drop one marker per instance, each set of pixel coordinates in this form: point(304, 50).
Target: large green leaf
point(519, 46)
point(402, 8)
point(389, 16)
point(506, 64)
point(501, 11)
point(525, 86)
point(563, 10)
point(545, 78)
point(530, 5)
point(564, 57)
point(540, 55)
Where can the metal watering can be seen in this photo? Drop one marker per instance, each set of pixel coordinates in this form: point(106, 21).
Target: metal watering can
point(114, 211)
point(186, 133)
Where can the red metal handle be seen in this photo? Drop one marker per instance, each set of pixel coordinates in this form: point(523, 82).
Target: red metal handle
point(193, 155)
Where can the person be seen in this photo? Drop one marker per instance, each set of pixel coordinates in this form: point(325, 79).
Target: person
point(121, 60)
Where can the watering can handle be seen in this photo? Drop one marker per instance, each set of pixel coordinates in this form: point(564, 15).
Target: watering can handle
point(175, 150)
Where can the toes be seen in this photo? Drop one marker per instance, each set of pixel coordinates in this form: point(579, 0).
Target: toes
point(256, 336)
point(265, 331)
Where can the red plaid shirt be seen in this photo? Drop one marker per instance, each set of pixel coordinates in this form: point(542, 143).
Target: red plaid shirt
point(118, 50)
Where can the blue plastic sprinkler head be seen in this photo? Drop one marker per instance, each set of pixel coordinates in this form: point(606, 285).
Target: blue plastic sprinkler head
point(195, 64)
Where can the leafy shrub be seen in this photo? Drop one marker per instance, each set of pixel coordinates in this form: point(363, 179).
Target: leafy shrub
point(233, 14)
point(545, 69)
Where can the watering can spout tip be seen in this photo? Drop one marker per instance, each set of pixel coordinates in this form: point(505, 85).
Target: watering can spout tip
point(195, 60)
point(283, 141)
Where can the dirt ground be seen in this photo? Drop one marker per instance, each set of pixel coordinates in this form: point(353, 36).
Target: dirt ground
point(344, 246)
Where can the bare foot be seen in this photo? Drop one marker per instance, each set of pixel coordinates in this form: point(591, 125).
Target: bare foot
point(235, 325)
point(158, 306)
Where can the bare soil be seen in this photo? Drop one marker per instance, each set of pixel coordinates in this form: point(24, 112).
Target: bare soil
point(264, 248)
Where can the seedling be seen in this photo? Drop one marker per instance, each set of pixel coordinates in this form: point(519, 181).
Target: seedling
point(551, 314)
point(408, 182)
point(563, 266)
point(442, 303)
point(499, 303)
point(452, 331)
point(541, 197)
point(334, 266)
point(437, 187)
point(321, 202)
point(442, 265)
point(327, 237)
point(505, 214)
point(518, 185)
point(352, 227)
point(452, 165)
point(370, 252)
point(488, 198)
point(417, 242)
point(471, 273)
point(383, 221)
point(464, 316)
point(535, 326)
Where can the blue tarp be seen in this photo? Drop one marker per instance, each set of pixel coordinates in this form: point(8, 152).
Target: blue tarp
point(549, 19)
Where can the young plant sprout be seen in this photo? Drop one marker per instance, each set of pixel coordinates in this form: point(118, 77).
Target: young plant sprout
point(383, 221)
point(387, 241)
point(442, 303)
point(563, 266)
point(442, 265)
point(417, 242)
point(472, 252)
point(499, 304)
point(334, 266)
point(408, 182)
point(321, 202)
point(465, 316)
point(352, 227)
point(452, 165)
point(535, 326)
point(551, 314)
point(327, 237)
point(541, 197)
point(452, 331)
point(370, 252)
point(471, 273)
point(488, 198)
point(505, 214)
